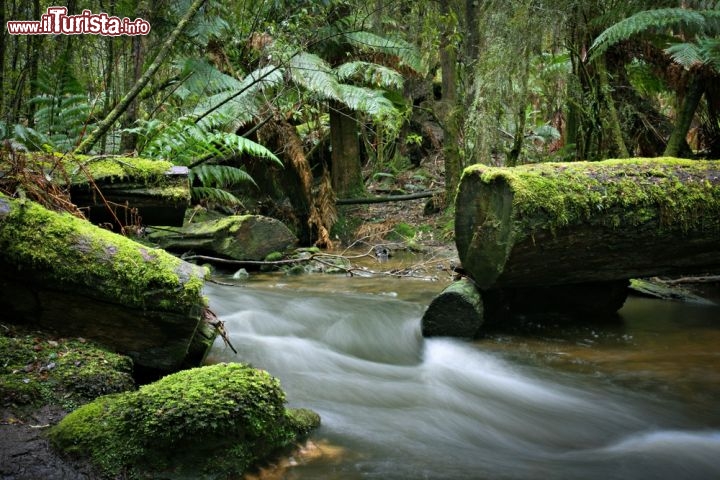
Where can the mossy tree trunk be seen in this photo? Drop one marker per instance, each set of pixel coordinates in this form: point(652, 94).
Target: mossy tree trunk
point(560, 224)
point(64, 274)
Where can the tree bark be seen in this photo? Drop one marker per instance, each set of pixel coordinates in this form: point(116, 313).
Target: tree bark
point(347, 178)
point(572, 223)
point(684, 118)
point(125, 102)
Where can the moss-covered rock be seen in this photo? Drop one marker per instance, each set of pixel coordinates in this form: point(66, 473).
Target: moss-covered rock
point(212, 421)
point(239, 237)
point(39, 370)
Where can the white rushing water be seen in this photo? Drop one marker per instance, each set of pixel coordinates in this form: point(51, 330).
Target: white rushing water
point(407, 408)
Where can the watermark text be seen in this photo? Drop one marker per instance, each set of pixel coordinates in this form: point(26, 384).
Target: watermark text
point(57, 22)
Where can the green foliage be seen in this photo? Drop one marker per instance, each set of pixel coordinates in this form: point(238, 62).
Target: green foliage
point(62, 113)
point(699, 23)
point(218, 419)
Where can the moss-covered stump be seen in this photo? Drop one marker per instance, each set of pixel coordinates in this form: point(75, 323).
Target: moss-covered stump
point(38, 370)
point(156, 190)
point(572, 223)
point(213, 421)
point(238, 237)
point(64, 274)
point(456, 312)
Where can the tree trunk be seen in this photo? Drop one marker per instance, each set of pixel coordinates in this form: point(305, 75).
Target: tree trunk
point(64, 274)
point(125, 102)
point(347, 178)
point(571, 223)
point(684, 118)
point(449, 111)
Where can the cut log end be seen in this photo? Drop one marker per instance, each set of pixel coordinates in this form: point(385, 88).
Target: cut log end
point(456, 312)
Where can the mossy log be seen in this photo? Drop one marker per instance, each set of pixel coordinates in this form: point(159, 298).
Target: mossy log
point(65, 274)
point(456, 312)
point(156, 191)
point(573, 223)
point(238, 237)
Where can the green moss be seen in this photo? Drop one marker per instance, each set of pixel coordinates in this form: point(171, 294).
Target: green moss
point(38, 370)
point(672, 192)
point(68, 249)
point(273, 257)
point(221, 419)
point(115, 168)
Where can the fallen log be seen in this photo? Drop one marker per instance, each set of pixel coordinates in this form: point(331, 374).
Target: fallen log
point(456, 312)
point(66, 275)
point(137, 190)
point(574, 223)
point(237, 237)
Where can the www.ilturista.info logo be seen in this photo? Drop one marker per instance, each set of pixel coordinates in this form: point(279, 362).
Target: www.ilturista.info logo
point(57, 21)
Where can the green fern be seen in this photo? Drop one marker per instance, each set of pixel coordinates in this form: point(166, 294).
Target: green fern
point(314, 74)
point(696, 21)
point(214, 195)
point(407, 53)
point(370, 74)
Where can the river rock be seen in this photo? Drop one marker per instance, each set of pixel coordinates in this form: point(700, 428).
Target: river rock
point(222, 419)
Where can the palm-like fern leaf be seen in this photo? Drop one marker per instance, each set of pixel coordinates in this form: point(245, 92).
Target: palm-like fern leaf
point(314, 74)
point(220, 175)
point(693, 20)
point(407, 53)
point(214, 195)
point(367, 100)
point(370, 74)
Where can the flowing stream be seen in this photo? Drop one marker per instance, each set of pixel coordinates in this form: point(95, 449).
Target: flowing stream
point(636, 399)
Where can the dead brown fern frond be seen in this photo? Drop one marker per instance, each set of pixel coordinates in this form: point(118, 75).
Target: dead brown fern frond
point(32, 176)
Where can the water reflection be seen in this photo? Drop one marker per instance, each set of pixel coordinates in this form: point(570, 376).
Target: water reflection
point(511, 406)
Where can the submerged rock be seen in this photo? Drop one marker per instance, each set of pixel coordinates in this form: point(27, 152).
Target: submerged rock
point(217, 421)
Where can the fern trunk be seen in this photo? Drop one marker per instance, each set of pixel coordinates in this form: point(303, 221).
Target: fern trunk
point(125, 102)
point(689, 105)
point(347, 178)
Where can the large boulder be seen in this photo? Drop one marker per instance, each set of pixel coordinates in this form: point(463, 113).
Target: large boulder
point(237, 237)
point(212, 421)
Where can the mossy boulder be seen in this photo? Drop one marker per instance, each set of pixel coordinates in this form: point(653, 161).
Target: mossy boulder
point(37, 370)
point(208, 422)
point(238, 237)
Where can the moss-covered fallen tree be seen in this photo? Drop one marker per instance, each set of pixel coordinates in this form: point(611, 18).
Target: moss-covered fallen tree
point(212, 422)
point(69, 276)
point(153, 190)
point(573, 223)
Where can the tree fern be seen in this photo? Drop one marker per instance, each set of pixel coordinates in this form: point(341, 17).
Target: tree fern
point(369, 73)
point(406, 53)
point(695, 21)
point(315, 75)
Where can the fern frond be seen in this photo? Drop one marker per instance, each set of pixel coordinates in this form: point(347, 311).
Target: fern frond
point(407, 53)
point(214, 195)
point(645, 20)
point(220, 175)
point(202, 79)
point(370, 74)
point(314, 74)
point(686, 54)
point(367, 100)
point(239, 145)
